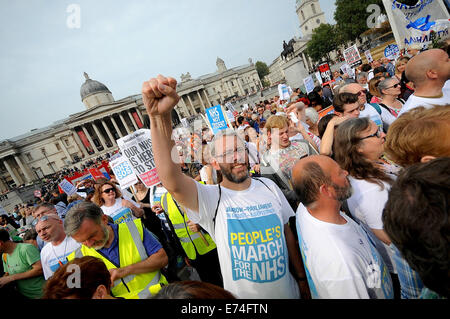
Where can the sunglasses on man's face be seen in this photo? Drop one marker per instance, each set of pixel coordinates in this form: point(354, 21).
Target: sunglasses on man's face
point(108, 190)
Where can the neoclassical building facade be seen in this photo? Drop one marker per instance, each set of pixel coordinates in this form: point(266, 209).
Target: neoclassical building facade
point(216, 88)
point(94, 131)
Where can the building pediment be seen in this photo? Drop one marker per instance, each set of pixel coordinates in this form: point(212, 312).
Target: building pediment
point(102, 109)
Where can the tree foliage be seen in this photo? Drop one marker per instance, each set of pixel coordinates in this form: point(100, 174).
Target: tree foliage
point(262, 69)
point(323, 41)
point(351, 17)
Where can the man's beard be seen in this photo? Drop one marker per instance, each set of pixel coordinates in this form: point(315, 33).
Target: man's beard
point(232, 177)
point(101, 243)
point(343, 193)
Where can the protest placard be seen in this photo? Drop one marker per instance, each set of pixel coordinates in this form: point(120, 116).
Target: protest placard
point(368, 56)
point(67, 187)
point(123, 171)
point(96, 173)
point(230, 106)
point(318, 77)
point(352, 57)
point(325, 72)
point(309, 84)
point(418, 24)
point(283, 91)
point(216, 118)
point(392, 52)
point(137, 148)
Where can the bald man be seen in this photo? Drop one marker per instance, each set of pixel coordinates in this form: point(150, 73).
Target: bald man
point(340, 260)
point(430, 72)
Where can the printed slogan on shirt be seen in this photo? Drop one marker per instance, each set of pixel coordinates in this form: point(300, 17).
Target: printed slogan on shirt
point(256, 244)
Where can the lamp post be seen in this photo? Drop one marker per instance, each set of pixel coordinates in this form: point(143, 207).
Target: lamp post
point(50, 164)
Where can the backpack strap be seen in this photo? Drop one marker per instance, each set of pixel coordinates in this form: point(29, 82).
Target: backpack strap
point(376, 107)
point(217, 207)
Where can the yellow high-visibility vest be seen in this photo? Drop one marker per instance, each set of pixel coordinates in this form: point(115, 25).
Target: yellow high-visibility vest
point(131, 251)
point(189, 240)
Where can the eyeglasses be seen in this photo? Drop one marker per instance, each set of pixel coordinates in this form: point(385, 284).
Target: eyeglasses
point(108, 190)
point(377, 134)
point(394, 86)
point(361, 92)
point(230, 153)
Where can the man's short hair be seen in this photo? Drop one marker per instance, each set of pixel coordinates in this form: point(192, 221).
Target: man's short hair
point(307, 186)
point(276, 121)
point(361, 75)
point(229, 132)
point(4, 235)
point(380, 69)
point(342, 99)
point(366, 67)
point(416, 219)
point(417, 133)
point(76, 215)
point(44, 205)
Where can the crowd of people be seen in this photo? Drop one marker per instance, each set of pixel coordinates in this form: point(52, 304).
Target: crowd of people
point(339, 193)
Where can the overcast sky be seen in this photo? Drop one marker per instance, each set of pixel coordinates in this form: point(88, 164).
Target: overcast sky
point(123, 43)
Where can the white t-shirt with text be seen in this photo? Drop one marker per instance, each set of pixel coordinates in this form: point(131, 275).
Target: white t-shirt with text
point(249, 234)
point(53, 256)
point(366, 205)
point(119, 213)
point(341, 261)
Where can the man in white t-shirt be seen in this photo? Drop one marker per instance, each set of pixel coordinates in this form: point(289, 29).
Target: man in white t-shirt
point(58, 247)
point(430, 73)
point(247, 218)
point(382, 117)
point(340, 260)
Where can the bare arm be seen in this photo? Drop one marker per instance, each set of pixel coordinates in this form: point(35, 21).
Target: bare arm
point(326, 144)
point(381, 235)
point(36, 270)
point(160, 97)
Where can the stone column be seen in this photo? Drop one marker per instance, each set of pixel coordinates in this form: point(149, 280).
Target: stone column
point(113, 121)
point(185, 108)
point(133, 121)
point(201, 101)
point(11, 173)
point(241, 90)
point(79, 143)
point(111, 137)
point(64, 149)
point(192, 105)
point(124, 123)
point(100, 137)
point(94, 148)
point(207, 99)
point(22, 167)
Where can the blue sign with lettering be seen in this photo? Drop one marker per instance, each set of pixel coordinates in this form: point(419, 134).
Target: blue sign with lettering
point(391, 51)
point(216, 118)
